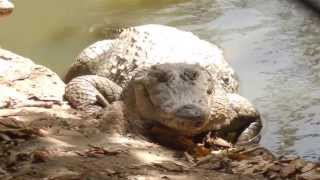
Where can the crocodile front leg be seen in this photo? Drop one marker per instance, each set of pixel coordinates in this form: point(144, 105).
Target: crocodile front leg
point(247, 120)
point(91, 93)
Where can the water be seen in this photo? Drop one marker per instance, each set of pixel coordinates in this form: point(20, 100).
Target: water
point(273, 45)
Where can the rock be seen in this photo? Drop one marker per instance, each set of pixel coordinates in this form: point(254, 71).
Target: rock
point(22, 82)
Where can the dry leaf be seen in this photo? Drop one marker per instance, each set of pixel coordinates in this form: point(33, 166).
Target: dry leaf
point(220, 142)
point(201, 151)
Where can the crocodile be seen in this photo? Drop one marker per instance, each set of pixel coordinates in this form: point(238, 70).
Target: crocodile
point(6, 7)
point(165, 77)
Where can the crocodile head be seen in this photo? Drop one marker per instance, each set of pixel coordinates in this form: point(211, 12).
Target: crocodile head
point(173, 95)
point(6, 7)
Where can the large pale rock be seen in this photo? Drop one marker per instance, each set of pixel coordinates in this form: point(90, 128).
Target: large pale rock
point(23, 81)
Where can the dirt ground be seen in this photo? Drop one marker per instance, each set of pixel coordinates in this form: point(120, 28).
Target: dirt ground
point(41, 137)
point(65, 146)
point(59, 143)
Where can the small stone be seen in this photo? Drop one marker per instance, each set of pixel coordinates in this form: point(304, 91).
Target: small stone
point(165, 177)
point(3, 172)
point(22, 157)
point(110, 171)
point(4, 137)
point(40, 156)
point(217, 165)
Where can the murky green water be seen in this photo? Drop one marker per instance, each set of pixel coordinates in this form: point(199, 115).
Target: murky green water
point(274, 46)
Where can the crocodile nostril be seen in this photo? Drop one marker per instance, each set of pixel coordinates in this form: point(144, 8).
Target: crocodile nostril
point(191, 112)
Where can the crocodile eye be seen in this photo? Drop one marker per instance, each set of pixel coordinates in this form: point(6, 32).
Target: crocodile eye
point(190, 74)
point(226, 80)
point(161, 76)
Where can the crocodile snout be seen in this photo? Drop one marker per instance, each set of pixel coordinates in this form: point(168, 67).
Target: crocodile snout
point(192, 112)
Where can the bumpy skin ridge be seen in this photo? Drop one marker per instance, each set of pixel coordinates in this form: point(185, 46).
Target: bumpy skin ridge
point(139, 46)
point(110, 65)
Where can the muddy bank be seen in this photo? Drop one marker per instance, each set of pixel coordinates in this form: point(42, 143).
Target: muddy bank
point(41, 137)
